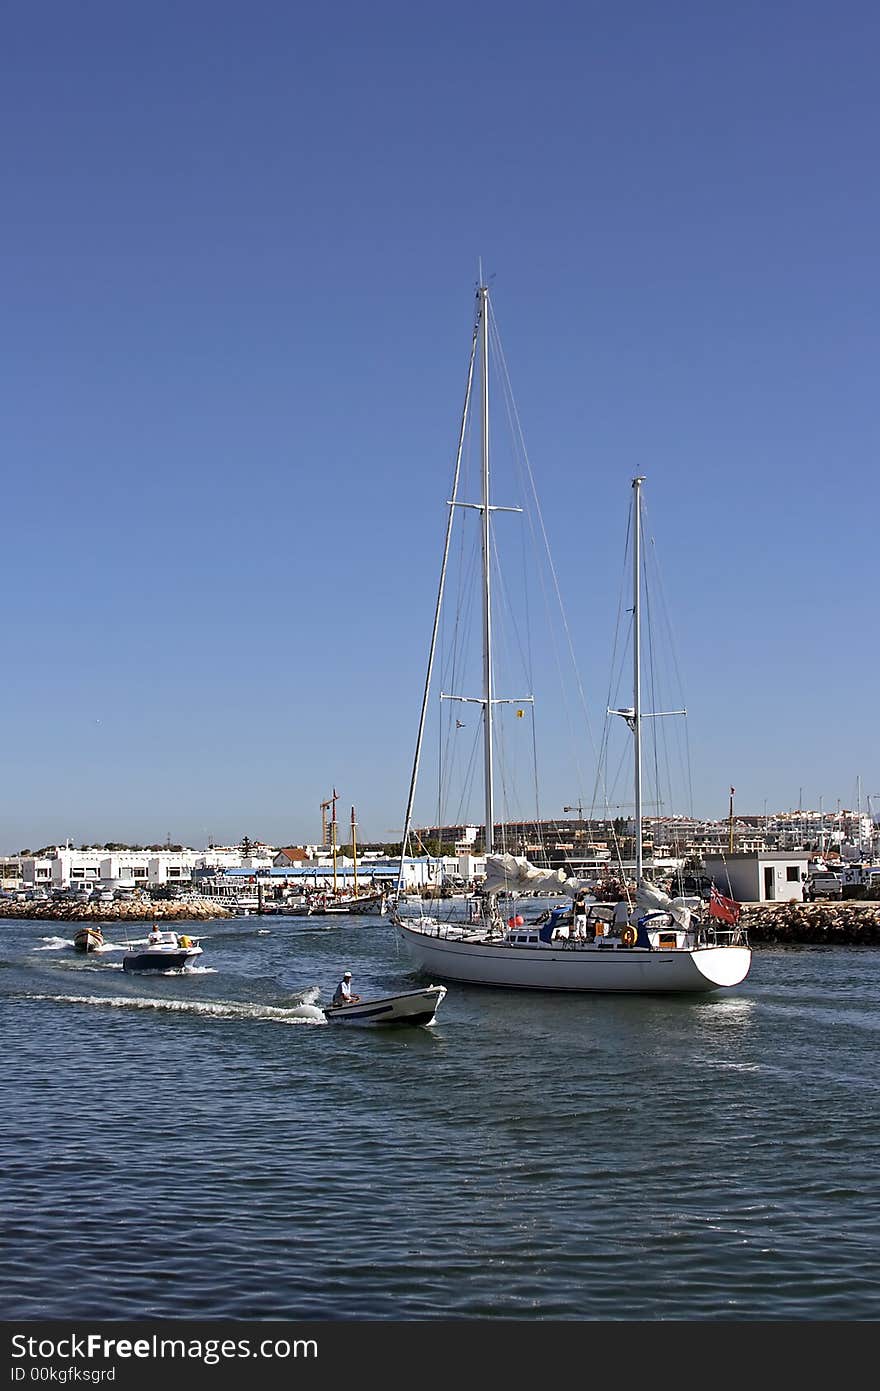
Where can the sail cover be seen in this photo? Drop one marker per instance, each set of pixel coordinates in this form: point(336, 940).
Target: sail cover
point(650, 899)
point(514, 874)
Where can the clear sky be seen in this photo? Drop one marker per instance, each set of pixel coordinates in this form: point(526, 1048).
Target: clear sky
point(240, 245)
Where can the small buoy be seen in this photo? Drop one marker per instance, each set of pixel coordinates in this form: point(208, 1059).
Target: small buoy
point(511, 922)
point(519, 920)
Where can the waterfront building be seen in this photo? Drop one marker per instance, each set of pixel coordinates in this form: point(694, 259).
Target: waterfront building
point(10, 873)
point(66, 867)
point(759, 876)
point(419, 872)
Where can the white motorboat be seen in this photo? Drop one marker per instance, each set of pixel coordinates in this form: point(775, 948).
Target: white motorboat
point(664, 946)
point(413, 1007)
point(165, 951)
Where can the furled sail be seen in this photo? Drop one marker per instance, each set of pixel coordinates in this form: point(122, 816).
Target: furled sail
point(650, 899)
point(514, 874)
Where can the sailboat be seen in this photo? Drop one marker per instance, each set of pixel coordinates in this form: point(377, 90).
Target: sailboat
point(345, 900)
point(664, 946)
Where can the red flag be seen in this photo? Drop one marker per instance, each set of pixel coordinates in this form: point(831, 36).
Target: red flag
point(727, 909)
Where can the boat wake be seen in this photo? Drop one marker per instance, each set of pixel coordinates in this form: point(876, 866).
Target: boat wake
point(218, 1009)
point(67, 944)
point(85, 964)
point(307, 996)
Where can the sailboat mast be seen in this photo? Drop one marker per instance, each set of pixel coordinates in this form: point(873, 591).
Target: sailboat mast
point(407, 821)
point(354, 853)
point(488, 773)
point(333, 840)
point(637, 669)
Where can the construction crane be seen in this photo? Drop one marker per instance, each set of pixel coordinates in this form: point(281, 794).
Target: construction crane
point(325, 823)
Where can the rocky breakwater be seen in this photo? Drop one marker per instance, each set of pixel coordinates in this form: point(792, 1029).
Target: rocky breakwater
point(127, 910)
point(827, 924)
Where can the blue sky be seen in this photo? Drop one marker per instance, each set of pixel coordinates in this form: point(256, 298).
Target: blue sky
point(240, 245)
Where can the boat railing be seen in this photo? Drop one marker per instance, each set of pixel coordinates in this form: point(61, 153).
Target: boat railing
point(725, 936)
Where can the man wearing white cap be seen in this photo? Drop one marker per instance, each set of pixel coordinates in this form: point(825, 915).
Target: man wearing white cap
point(343, 995)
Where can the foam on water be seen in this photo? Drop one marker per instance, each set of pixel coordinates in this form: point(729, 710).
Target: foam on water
point(54, 943)
point(225, 1009)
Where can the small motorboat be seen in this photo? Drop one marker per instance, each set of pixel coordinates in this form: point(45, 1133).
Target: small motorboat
point(165, 951)
point(415, 1007)
point(88, 939)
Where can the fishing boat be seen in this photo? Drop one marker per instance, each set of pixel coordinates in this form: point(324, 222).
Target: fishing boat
point(360, 903)
point(412, 1007)
point(341, 899)
point(664, 945)
point(164, 951)
point(88, 938)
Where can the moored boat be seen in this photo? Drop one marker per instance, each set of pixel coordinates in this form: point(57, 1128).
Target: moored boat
point(352, 903)
point(412, 1007)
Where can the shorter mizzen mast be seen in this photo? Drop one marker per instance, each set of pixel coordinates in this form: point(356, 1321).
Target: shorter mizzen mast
point(635, 715)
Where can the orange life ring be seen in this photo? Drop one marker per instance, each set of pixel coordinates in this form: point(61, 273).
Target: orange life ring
point(628, 937)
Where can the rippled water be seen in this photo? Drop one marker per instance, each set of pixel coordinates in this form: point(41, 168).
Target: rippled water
point(205, 1147)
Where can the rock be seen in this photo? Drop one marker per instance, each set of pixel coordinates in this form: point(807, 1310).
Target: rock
point(851, 923)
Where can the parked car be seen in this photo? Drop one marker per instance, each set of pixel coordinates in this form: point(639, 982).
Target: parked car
point(822, 886)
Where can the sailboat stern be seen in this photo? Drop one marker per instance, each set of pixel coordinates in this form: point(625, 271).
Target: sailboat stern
point(723, 966)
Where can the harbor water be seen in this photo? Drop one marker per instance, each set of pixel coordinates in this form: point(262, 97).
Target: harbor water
point(205, 1146)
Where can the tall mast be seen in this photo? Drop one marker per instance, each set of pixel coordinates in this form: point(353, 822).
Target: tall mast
point(487, 602)
point(333, 839)
point(637, 668)
point(354, 852)
point(407, 821)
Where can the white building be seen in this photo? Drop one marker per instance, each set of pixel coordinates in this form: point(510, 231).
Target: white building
point(130, 868)
point(759, 876)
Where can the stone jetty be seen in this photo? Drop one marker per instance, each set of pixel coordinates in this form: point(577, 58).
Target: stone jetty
point(126, 910)
point(854, 923)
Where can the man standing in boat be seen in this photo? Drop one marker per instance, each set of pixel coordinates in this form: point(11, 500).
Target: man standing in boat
point(343, 994)
point(621, 912)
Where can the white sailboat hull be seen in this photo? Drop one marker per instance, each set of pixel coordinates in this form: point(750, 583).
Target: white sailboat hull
point(577, 967)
